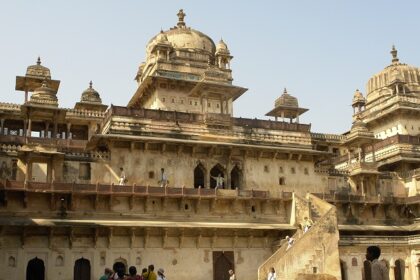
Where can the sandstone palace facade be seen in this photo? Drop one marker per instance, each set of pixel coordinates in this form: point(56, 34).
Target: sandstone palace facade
point(88, 187)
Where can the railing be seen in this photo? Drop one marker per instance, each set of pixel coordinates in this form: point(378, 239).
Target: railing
point(60, 143)
point(319, 245)
point(328, 137)
point(341, 197)
point(137, 190)
point(162, 115)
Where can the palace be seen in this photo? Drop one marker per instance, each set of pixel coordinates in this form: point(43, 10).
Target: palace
point(173, 179)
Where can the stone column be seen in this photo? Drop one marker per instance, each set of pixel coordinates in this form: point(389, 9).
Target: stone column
point(349, 154)
point(68, 130)
point(55, 129)
point(2, 127)
point(29, 130)
point(204, 104)
point(222, 104)
point(47, 126)
point(373, 153)
point(26, 95)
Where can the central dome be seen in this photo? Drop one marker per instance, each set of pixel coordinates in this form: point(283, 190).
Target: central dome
point(183, 37)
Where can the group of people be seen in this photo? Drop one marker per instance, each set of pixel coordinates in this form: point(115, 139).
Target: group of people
point(146, 274)
point(163, 179)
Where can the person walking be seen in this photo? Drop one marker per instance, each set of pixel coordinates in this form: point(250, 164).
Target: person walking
point(123, 178)
point(150, 274)
point(161, 274)
point(272, 274)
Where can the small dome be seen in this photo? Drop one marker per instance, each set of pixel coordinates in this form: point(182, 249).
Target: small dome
point(286, 100)
point(161, 37)
point(222, 47)
point(38, 71)
point(358, 97)
point(91, 95)
point(44, 95)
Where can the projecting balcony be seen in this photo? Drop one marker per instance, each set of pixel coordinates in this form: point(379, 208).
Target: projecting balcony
point(357, 168)
point(134, 190)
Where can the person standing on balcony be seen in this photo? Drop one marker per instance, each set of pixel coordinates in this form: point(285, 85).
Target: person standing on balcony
point(232, 275)
point(272, 274)
point(123, 178)
point(219, 181)
point(163, 178)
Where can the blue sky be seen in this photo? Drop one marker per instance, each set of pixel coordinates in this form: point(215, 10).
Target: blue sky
point(321, 51)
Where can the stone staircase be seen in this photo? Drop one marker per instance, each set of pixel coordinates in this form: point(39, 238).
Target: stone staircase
point(314, 255)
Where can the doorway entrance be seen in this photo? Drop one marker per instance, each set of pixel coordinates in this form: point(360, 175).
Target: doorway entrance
point(223, 261)
point(82, 269)
point(35, 269)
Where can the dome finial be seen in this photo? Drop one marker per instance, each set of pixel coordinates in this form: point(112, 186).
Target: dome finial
point(285, 91)
point(181, 15)
point(90, 84)
point(394, 53)
point(38, 61)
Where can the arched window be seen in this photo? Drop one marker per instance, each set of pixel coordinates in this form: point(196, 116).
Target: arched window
point(214, 173)
point(35, 270)
point(235, 178)
point(82, 269)
point(120, 265)
point(343, 269)
point(199, 176)
point(367, 270)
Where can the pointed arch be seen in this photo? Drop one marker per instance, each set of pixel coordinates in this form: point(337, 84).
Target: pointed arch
point(120, 264)
point(343, 269)
point(199, 176)
point(236, 177)
point(214, 173)
point(81, 269)
point(399, 270)
point(35, 270)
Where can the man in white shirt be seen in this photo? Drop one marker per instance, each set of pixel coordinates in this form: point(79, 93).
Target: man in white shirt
point(378, 269)
point(272, 274)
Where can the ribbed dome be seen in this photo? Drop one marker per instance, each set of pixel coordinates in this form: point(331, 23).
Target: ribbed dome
point(396, 72)
point(358, 97)
point(38, 71)
point(183, 37)
point(222, 47)
point(286, 100)
point(91, 95)
point(44, 95)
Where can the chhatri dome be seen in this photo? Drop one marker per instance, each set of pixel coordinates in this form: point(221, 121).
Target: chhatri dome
point(185, 71)
point(182, 37)
point(38, 71)
point(396, 78)
point(286, 100)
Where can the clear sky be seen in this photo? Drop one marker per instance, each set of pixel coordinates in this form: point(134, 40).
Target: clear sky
point(321, 51)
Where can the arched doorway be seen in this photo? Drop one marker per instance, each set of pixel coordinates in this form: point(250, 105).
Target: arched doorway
point(214, 173)
point(199, 176)
point(35, 269)
point(367, 270)
point(120, 265)
point(82, 269)
point(343, 269)
point(235, 178)
point(222, 262)
point(399, 270)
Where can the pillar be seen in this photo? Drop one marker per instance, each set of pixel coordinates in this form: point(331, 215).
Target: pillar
point(349, 154)
point(47, 125)
point(373, 153)
point(204, 105)
point(29, 130)
point(222, 104)
point(68, 130)
point(282, 116)
point(2, 127)
point(297, 118)
point(26, 95)
point(55, 129)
